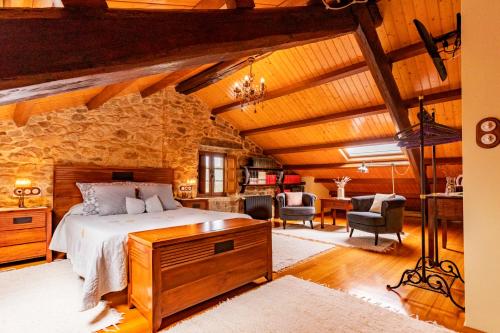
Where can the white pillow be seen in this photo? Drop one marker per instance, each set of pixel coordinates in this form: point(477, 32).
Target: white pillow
point(76, 209)
point(164, 192)
point(378, 200)
point(135, 206)
point(293, 198)
point(153, 204)
point(178, 204)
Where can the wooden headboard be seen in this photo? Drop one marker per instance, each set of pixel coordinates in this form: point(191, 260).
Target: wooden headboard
point(67, 194)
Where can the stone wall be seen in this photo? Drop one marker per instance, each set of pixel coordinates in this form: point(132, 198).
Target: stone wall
point(166, 129)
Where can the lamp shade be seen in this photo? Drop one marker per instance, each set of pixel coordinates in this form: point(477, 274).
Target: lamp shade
point(23, 182)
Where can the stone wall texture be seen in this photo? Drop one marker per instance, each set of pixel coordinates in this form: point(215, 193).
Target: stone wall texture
point(166, 129)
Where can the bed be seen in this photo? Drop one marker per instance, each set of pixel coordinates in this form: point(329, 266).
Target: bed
point(97, 245)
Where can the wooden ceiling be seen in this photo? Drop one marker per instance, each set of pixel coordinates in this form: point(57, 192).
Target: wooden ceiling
point(306, 90)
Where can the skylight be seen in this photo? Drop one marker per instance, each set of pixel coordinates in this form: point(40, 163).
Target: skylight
point(375, 150)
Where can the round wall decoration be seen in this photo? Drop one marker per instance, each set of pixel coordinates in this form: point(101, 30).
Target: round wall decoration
point(488, 132)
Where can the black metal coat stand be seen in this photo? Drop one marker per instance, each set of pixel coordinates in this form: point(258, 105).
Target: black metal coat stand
point(429, 273)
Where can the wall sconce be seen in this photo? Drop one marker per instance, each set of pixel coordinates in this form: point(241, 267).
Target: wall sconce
point(186, 189)
point(23, 189)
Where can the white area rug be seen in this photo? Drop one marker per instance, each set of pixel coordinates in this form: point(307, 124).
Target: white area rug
point(46, 298)
point(338, 235)
point(293, 305)
point(288, 251)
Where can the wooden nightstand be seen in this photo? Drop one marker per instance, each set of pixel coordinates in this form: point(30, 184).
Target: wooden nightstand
point(199, 203)
point(25, 233)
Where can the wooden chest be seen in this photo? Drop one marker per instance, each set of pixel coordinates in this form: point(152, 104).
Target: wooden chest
point(25, 233)
point(174, 268)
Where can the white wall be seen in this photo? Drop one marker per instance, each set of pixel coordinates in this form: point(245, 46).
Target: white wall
point(319, 189)
point(481, 98)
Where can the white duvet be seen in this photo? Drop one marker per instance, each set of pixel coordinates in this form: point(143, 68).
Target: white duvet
point(97, 245)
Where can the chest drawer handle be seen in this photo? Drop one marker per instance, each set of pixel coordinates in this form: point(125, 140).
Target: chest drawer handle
point(23, 220)
point(224, 246)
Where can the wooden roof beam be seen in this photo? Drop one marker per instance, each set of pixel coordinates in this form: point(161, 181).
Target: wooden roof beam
point(233, 4)
point(88, 48)
point(168, 81)
point(85, 3)
point(440, 97)
point(330, 145)
point(108, 93)
point(381, 70)
point(214, 74)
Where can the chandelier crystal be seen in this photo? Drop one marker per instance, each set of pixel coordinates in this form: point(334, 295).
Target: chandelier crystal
point(247, 92)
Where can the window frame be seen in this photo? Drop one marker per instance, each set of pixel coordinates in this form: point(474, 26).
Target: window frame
point(202, 192)
point(349, 157)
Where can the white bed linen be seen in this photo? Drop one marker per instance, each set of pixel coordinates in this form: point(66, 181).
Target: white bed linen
point(97, 245)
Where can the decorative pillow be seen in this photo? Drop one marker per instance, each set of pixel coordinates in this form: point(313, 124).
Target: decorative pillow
point(90, 206)
point(178, 204)
point(153, 204)
point(111, 200)
point(135, 206)
point(379, 199)
point(293, 198)
point(76, 209)
point(164, 192)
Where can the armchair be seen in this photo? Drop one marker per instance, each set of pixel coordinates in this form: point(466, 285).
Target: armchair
point(305, 212)
point(390, 220)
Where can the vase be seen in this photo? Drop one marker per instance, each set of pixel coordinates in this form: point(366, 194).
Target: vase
point(340, 193)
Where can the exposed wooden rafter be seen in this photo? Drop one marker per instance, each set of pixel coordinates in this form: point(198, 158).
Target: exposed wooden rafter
point(381, 70)
point(108, 93)
point(167, 81)
point(233, 4)
point(85, 3)
point(92, 47)
point(330, 145)
point(440, 97)
point(214, 74)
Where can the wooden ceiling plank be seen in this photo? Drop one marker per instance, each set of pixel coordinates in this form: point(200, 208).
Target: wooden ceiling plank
point(381, 70)
point(85, 52)
point(440, 97)
point(210, 4)
point(393, 56)
point(329, 145)
point(233, 4)
point(106, 94)
point(334, 75)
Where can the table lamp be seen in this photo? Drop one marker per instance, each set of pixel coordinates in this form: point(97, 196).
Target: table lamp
point(24, 188)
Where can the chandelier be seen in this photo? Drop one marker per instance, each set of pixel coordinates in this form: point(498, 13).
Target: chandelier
point(247, 92)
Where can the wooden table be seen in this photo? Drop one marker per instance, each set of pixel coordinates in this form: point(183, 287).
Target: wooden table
point(334, 204)
point(446, 208)
point(174, 268)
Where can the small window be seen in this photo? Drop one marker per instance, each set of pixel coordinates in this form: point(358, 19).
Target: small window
point(211, 173)
point(373, 151)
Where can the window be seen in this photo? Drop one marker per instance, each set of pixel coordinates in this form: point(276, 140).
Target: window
point(211, 173)
point(373, 151)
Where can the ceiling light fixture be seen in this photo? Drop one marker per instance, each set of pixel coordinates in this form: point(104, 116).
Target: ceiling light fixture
point(247, 92)
point(363, 168)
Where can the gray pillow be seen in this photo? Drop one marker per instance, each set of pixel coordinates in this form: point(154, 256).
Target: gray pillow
point(90, 206)
point(111, 200)
point(164, 192)
point(135, 206)
point(153, 204)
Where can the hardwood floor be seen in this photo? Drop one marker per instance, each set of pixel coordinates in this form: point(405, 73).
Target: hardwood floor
point(356, 271)
point(360, 272)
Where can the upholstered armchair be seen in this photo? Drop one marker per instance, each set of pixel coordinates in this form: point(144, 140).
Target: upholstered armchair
point(389, 221)
point(304, 212)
